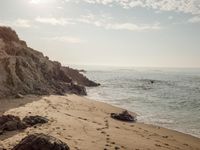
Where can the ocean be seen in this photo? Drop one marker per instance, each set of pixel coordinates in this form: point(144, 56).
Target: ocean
point(160, 96)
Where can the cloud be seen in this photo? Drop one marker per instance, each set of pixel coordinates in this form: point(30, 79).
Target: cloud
point(65, 39)
point(41, 1)
point(132, 27)
point(107, 22)
point(103, 21)
point(53, 21)
point(21, 23)
point(35, 1)
point(195, 19)
point(185, 6)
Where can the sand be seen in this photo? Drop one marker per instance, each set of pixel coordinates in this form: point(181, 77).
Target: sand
point(86, 125)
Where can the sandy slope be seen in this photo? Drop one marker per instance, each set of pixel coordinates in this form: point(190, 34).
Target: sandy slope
point(85, 125)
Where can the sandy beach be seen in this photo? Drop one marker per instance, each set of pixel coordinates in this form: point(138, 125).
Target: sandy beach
point(86, 124)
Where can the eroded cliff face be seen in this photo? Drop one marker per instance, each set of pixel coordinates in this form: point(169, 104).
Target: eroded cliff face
point(27, 71)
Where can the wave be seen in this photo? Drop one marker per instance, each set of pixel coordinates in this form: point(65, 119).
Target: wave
point(166, 98)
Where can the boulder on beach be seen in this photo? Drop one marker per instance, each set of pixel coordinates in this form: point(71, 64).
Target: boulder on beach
point(27, 71)
point(33, 120)
point(11, 123)
point(124, 116)
point(40, 141)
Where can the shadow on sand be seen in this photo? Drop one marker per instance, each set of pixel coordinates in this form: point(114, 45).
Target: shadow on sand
point(10, 103)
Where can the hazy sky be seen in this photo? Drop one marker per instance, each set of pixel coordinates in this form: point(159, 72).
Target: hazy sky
point(156, 33)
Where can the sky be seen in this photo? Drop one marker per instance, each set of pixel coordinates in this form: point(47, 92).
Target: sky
point(139, 33)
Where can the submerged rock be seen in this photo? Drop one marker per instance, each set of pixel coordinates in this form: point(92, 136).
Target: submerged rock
point(33, 120)
point(11, 123)
point(40, 141)
point(124, 116)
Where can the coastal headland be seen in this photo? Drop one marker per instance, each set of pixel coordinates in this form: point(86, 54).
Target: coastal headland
point(32, 85)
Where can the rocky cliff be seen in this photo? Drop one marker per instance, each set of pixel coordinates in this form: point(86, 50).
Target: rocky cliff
point(27, 71)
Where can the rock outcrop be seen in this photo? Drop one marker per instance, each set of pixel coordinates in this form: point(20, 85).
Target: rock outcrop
point(12, 123)
point(27, 71)
point(33, 120)
point(39, 141)
point(124, 116)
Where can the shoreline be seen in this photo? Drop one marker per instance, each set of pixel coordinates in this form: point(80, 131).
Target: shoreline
point(84, 123)
point(147, 123)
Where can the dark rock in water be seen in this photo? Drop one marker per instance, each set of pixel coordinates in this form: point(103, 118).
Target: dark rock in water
point(27, 71)
point(77, 89)
point(33, 120)
point(152, 81)
point(82, 70)
point(41, 141)
point(11, 123)
point(78, 78)
point(124, 116)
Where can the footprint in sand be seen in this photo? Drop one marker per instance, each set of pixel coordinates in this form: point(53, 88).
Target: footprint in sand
point(76, 148)
point(116, 148)
point(107, 145)
point(112, 143)
point(154, 134)
point(123, 147)
point(158, 145)
point(68, 114)
point(141, 135)
point(67, 138)
point(70, 136)
point(96, 122)
point(106, 124)
point(83, 118)
point(99, 129)
point(158, 141)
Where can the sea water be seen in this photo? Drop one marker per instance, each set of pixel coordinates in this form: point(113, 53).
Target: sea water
point(166, 97)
